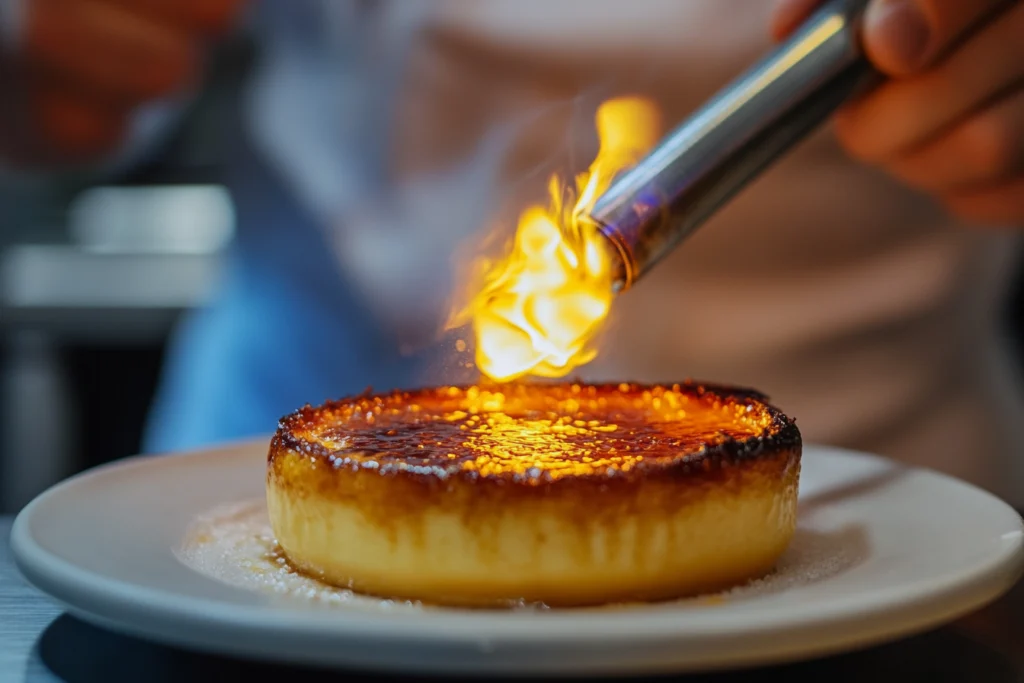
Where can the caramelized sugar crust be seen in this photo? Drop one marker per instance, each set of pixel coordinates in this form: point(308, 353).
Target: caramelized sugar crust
point(566, 494)
point(532, 435)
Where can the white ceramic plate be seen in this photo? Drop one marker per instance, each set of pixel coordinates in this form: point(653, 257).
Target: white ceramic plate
point(882, 551)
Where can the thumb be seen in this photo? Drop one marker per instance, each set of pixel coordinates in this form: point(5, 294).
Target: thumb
point(788, 14)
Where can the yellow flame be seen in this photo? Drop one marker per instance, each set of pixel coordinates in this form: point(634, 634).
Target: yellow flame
point(538, 308)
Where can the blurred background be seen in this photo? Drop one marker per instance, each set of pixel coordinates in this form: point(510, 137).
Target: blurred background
point(95, 275)
point(93, 278)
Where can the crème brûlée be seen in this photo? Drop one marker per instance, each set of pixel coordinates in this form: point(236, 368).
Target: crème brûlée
point(564, 494)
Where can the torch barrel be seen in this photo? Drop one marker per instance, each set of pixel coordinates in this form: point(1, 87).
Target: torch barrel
point(733, 138)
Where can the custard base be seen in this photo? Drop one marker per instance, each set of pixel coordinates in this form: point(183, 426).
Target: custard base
point(468, 543)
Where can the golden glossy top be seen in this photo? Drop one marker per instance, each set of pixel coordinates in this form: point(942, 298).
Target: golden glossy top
point(530, 432)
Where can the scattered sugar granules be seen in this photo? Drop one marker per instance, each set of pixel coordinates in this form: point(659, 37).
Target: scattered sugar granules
point(234, 544)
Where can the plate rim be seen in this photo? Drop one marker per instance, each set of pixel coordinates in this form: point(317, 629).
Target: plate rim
point(66, 582)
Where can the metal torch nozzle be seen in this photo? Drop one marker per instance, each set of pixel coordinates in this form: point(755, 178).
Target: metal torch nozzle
point(734, 137)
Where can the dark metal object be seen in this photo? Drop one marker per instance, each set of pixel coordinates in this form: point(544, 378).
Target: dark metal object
point(733, 138)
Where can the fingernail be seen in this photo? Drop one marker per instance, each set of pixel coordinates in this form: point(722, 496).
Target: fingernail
point(901, 30)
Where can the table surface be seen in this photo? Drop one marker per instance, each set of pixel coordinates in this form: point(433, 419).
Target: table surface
point(38, 642)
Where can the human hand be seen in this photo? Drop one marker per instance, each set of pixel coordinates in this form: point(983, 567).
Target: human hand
point(950, 121)
point(82, 66)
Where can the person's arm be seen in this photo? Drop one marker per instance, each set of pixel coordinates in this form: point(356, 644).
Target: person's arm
point(950, 122)
point(94, 82)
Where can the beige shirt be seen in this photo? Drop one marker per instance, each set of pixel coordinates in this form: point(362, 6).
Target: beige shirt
point(857, 304)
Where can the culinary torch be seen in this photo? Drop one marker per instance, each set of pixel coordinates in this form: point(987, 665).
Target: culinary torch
point(733, 137)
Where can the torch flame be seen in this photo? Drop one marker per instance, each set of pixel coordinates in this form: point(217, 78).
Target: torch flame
point(538, 308)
